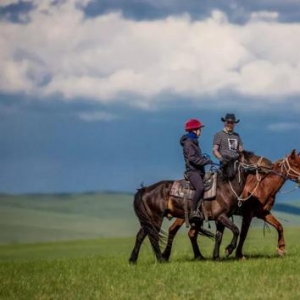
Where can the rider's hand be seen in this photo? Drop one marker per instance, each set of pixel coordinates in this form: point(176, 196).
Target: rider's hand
point(207, 156)
point(210, 162)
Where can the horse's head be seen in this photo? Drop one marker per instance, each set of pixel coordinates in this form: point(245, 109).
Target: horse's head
point(255, 162)
point(248, 162)
point(290, 166)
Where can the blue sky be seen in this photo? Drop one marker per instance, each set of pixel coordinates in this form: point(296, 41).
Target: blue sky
point(94, 94)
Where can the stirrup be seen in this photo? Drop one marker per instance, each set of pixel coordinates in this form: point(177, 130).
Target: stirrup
point(196, 215)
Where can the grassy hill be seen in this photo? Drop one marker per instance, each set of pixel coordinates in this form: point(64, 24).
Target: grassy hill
point(38, 218)
point(59, 217)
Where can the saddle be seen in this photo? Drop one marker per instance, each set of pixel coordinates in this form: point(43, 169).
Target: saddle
point(183, 189)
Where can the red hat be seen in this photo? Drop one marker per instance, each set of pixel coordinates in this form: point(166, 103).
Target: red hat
point(193, 124)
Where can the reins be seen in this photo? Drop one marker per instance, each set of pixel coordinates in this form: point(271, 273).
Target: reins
point(285, 167)
point(244, 166)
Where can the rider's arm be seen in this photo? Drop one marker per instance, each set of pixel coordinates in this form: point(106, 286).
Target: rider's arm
point(241, 146)
point(194, 156)
point(216, 152)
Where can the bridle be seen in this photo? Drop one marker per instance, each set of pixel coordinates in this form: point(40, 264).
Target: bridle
point(287, 172)
point(286, 168)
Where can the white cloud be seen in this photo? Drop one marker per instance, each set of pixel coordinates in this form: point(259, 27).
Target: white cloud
point(284, 126)
point(4, 3)
point(109, 58)
point(264, 16)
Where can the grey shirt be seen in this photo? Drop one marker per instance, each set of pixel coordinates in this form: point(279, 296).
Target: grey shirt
point(229, 144)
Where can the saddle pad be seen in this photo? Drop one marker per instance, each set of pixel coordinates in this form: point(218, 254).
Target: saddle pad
point(182, 188)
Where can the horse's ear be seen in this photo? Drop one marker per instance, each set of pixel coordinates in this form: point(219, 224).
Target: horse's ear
point(293, 153)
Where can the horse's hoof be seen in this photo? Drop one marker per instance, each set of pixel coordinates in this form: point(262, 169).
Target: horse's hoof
point(229, 249)
point(132, 262)
point(199, 258)
point(166, 258)
point(242, 257)
point(162, 260)
point(281, 252)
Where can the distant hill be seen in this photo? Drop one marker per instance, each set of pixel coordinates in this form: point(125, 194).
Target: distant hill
point(287, 208)
point(53, 217)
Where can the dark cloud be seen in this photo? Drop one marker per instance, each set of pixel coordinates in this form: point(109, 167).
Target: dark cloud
point(15, 12)
point(46, 147)
point(237, 11)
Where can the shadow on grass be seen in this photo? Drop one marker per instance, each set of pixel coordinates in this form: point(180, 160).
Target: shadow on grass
point(229, 259)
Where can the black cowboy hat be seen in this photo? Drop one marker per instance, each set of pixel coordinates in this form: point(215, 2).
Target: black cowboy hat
point(230, 117)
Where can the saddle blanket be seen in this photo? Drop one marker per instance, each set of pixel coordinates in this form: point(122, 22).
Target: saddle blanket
point(182, 188)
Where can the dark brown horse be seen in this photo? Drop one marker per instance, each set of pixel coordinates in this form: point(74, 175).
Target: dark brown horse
point(263, 198)
point(153, 203)
point(259, 195)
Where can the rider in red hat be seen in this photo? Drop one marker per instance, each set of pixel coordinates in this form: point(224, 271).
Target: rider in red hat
point(194, 163)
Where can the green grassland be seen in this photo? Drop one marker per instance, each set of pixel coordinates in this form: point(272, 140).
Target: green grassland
point(77, 247)
point(99, 269)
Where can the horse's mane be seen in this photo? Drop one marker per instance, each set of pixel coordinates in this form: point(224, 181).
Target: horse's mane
point(229, 169)
point(247, 154)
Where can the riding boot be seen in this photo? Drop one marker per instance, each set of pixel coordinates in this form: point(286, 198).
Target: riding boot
point(196, 215)
point(199, 209)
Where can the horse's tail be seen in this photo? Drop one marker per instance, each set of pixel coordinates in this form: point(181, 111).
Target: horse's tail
point(143, 213)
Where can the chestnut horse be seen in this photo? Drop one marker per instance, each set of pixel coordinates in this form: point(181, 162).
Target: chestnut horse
point(263, 198)
point(153, 203)
point(259, 195)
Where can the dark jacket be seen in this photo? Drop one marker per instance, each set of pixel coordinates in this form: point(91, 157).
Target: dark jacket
point(194, 161)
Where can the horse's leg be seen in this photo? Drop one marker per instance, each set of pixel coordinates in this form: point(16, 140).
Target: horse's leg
point(224, 220)
point(270, 219)
point(138, 242)
point(193, 234)
point(153, 234)
point(248, 215)
point(172, 232)
point(218, 240)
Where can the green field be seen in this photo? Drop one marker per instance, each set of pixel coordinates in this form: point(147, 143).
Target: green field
point(77, 247)
point(98, 269)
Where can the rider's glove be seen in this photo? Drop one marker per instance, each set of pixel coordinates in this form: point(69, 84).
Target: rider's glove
point(207, 156)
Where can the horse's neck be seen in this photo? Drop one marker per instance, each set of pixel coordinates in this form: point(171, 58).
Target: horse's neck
point(262, 186)
point(278, 176)
point(239, 181)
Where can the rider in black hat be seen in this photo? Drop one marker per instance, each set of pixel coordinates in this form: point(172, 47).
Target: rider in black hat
point(227, 143)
